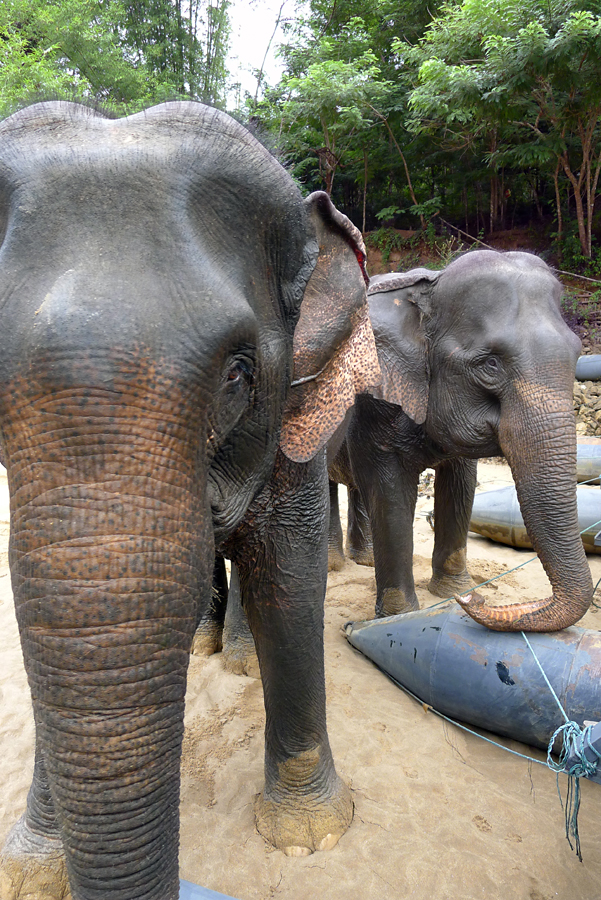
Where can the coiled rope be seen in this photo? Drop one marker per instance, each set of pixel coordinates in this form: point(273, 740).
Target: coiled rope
point(575, 741)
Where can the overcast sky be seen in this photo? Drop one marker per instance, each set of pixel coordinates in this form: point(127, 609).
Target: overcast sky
point(253, 22)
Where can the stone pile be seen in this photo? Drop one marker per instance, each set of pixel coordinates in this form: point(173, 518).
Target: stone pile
point(587, 406)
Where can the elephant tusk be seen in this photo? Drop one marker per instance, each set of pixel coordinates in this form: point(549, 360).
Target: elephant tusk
point(308, 377)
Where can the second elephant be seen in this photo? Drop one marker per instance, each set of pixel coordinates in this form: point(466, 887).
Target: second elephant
point(476, 361)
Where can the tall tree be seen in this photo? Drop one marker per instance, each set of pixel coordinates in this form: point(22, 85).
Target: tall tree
point(521, 79)
point(183, 45)
point(119, 52)
point(327, 107)
point(339, 107)
point(67, 48)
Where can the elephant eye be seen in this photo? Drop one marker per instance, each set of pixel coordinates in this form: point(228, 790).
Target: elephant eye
point(236, 393)
point(488, 367)
point(241, 371)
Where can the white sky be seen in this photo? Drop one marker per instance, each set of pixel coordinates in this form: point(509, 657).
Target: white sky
point(252, 24)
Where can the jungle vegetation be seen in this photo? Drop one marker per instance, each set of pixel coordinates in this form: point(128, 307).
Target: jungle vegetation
point(485, 114)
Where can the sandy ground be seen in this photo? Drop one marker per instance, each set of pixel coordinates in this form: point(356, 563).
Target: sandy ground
point(439, 814)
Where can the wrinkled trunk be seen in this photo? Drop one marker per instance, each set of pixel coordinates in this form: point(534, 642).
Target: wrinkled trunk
point(110, 549)
point(538, 437)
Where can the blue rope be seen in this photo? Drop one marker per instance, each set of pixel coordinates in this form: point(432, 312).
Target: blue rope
point(536, 659)
point(451, 721)
point(575, 741)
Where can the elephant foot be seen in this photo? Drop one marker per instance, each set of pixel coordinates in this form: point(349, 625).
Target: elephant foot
point(395, 602)
point(240, 658)
point(335, 559)
point(447, 586)
point(301, 823)
point(207, 639)
point(32, 866)
point(363, 557)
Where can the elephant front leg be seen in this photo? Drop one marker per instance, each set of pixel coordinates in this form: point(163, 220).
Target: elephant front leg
point(283, 569)
point(208, 638)
point(454, 488)
point(239, 654)
point(390, 497)
point(32, 861)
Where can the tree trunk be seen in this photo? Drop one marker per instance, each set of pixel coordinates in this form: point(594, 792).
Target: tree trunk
point(404, 161)
point(591, 196)
point(180, 47)
point(577, 186)
point(364, 187)
point(582, 229)
point(558, 204)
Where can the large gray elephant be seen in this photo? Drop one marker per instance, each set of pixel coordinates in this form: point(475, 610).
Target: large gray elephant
point(180, 334)
point(476, 361)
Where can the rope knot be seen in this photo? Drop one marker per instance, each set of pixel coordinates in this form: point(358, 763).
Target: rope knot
point(576, 763)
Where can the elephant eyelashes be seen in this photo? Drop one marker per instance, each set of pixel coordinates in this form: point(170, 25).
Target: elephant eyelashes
point(489, 366)
point(235, 396)
point(240, 381)
point(241, 371)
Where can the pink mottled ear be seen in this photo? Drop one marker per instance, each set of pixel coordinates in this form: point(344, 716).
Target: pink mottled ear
point(334, 349)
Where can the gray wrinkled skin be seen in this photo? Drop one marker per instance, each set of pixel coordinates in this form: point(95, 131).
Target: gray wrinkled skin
point(152, 277)
point(476, 362)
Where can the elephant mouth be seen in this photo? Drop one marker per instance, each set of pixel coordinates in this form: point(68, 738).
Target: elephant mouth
point(477, 443)
point(471, 431)
point(228, 498)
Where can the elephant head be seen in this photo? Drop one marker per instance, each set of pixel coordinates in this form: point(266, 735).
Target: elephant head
point(170, 310)
point(479, 354)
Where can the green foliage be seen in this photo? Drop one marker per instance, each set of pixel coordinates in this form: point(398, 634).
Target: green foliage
point(327, 99)
point(388, 212)
point(122, 54)
point(62, 48)
point(583, 310)
point(569, 252)
point(430, 235)
point(485, 111)
point(182, 45)
point(571, 258)
point(386, 240)
point(446, 248)
point(28, 70)
point(519, 83)
point(569, 303)
point(449, 249)
point(427, 209)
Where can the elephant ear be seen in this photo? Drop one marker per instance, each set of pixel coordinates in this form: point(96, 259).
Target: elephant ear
point(399, 306)
point(334, 350)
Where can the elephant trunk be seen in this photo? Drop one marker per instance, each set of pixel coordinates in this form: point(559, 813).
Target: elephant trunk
point(111, 547)
point(538, 437)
